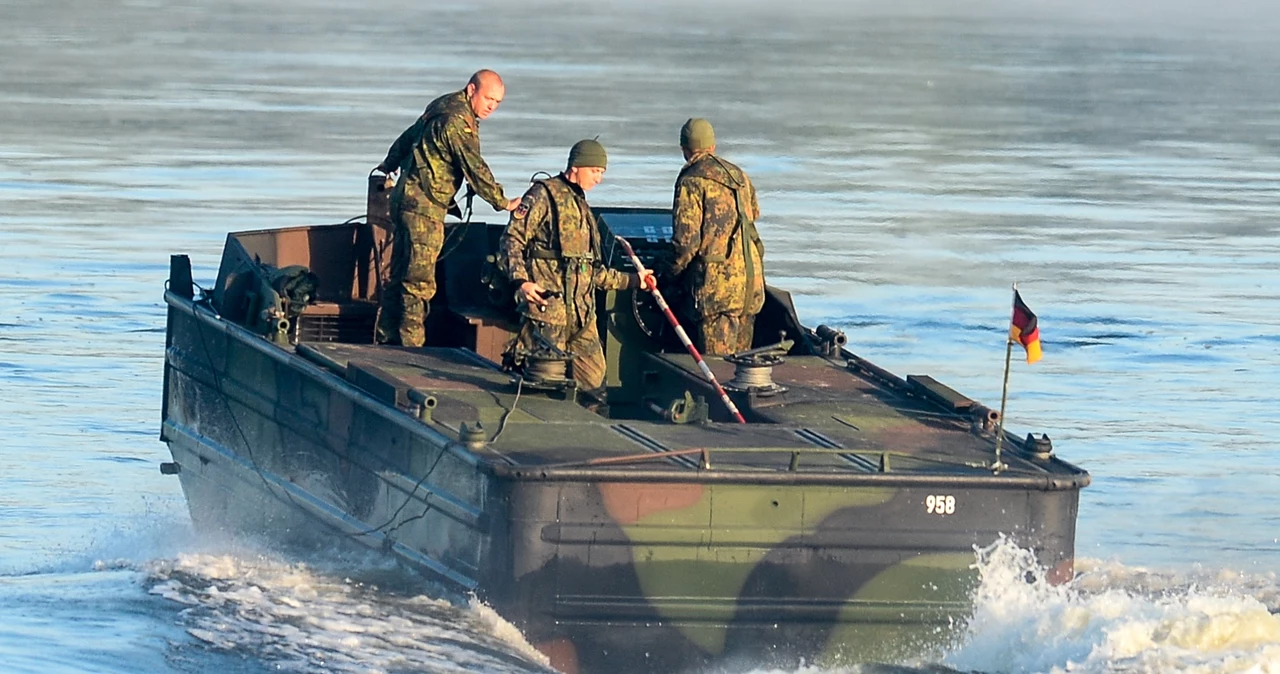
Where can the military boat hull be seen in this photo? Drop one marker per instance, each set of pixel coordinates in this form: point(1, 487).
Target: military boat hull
point(839, 526)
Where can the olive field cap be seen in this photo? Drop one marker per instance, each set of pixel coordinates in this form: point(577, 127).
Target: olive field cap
point(697, 134)
point(588, 153)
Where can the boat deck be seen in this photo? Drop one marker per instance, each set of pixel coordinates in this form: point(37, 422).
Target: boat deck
point(829, 421)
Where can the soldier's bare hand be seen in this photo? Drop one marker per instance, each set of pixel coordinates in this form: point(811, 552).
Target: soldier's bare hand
point(648, 281)
point(532, 293)
point(511, 205)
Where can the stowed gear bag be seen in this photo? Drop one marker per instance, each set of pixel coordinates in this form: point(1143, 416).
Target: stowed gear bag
point(295, 284)
point(273, 306)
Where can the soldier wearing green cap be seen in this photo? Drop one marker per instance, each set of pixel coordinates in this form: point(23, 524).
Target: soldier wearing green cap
point(551, 252)
point(433, 156)
point(718, 253)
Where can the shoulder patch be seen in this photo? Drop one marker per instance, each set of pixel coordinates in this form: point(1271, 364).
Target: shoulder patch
point(523, 209)
point(467, 129)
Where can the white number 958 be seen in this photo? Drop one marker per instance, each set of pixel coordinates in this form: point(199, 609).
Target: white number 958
point(940, 504)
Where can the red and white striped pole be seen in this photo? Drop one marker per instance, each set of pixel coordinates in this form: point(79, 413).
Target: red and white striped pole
point(684, 337)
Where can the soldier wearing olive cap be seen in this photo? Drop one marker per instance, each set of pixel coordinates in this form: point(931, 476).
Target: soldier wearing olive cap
point(551, 252)
point(718, 253)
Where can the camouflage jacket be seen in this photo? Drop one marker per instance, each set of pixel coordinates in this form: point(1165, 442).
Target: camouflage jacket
point(435, 154)
point(718, 252)
point(553, 240)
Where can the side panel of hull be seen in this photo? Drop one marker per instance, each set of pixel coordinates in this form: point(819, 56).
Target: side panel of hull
point(263, 437)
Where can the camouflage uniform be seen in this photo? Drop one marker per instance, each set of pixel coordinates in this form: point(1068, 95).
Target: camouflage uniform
point(433, 155)
point(553, 240)
point(718, 251)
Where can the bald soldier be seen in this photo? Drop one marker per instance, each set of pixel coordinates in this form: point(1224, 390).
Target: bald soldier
point(718, 253)
point(551, 252)
point(433, 156)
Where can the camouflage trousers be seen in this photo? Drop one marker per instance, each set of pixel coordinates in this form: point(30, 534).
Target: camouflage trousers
point(588, 366)
point(723, 334)
point(412, 284)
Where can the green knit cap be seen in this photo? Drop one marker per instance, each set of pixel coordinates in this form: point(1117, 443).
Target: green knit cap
point(697, 134)
point(588, 153)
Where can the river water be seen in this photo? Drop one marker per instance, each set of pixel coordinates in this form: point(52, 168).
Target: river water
point(1120, 163)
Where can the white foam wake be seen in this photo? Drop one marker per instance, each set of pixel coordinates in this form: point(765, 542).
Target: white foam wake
point(1110, 619)
point(1113, 618)
point(296, 619)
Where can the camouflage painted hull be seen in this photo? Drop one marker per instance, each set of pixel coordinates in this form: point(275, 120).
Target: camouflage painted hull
point(670, 554)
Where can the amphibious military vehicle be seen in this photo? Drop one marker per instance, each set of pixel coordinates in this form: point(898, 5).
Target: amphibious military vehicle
point(651, 533)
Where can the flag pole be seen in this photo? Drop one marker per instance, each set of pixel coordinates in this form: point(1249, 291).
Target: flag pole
point(1004, 394)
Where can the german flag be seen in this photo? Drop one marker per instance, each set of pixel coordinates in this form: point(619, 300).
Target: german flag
point(1024, 330)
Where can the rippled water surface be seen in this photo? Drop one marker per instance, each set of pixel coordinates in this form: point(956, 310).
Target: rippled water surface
point(911, 166)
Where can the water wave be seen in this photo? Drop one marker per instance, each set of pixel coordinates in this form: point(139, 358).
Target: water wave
point(1117, 618)
point(297, 618)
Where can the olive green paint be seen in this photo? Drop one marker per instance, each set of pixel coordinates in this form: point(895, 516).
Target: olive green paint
point(924, 601)
point(732, 527)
